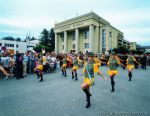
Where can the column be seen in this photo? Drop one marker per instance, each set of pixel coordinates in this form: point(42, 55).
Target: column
point(65, 41)
point(91, 37)
point(77, 40)
point(56, 43)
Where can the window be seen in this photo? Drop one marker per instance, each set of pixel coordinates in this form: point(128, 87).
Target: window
point(0, 44)
point(17, 45)
point(86, 45)
point(73, 36)
point(9, 45)
point(103, 39)
point(110, 34)
point(63, 47)
point(86, 34)
point(73, 46)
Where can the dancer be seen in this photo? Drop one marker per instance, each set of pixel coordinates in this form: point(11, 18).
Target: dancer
point(130, 64)
point(113, 63)
point(64, 66)
point(5, 73)
point(38, 69)
point(75, 63)
point(89, 69)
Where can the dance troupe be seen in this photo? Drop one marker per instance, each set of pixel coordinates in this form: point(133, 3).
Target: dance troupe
point(91, 64)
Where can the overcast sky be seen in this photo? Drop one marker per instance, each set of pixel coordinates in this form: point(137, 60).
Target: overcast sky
point(21, 17)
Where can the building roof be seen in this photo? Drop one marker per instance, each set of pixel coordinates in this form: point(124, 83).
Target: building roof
point(90, 15)
point(84, 16)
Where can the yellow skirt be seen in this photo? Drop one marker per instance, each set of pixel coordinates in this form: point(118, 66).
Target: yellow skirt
point(64, 65)
point(98, 64)
point(96, 68)
point(40, 67)
point(74, 68)
point(130, 66)
point(88, 81)
point(112, 72)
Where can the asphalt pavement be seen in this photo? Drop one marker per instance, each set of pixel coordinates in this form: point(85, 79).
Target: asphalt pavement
point(62, 96)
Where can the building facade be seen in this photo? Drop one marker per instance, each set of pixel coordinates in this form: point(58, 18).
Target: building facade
point(88, 32)
point(13, 46)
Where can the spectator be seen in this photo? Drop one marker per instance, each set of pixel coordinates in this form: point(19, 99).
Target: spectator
point(25, 61)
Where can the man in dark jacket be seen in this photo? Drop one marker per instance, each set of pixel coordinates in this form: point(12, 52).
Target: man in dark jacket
point(19, 66)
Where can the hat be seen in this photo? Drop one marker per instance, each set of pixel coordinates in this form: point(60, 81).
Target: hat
point(113, 53)
point(91, 54)
point(130, 53)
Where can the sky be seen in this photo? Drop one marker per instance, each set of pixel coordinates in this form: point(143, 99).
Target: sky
point(19, 18)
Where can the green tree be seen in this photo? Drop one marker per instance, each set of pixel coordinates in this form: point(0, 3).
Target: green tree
point(18, 39)
point(38, 48)
point(123, 49)
point(8, 38)
point(47, 39)
point(33, 38)
point(44, 37)
point(52, 39)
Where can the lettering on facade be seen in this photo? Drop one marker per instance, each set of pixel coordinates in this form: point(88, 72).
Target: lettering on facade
point(71, 26)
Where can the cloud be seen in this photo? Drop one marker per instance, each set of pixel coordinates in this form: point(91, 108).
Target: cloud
point(11, 31)
point(130, 16)
point(28, 22)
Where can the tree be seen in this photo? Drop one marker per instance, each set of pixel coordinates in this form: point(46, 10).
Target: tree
point(44, 37)
point(18, 39)
point(8, 38)
point(47, 39)
point(52, 39)
point(121, 50)
point(33, 38)
point(38, 48)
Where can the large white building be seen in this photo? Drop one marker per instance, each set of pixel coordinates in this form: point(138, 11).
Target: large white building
point(22, 47)
point(88, 32)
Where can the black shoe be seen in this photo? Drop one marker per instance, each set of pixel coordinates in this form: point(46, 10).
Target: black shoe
point(129, 78)
point(112, 90)
point(72, 77)
point(88, 104)
point(76, 79)
point(41, 81)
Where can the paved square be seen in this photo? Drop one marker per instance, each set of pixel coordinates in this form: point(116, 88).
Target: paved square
point(61, 96)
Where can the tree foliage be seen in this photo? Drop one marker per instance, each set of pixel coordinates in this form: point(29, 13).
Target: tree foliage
point(47, 39)
point(121, 50)
point(18, 39)
point(9, 38)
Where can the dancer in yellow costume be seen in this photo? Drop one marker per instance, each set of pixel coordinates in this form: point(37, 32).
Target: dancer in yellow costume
point(113, 63)
point(89, 69)
point(130, 64)
point(64, 66)
point(97, 61)
point(38, 70)
point(75, 63)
